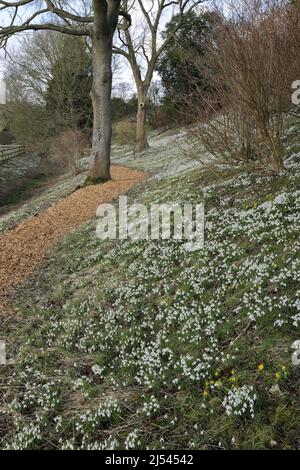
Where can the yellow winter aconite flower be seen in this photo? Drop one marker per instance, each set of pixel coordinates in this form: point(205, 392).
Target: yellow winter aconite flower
point(261, 366)
point(278, 375)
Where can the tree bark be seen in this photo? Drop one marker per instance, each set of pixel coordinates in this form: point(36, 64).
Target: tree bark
point(101, 27)
point(141, 137)
point(99, 168)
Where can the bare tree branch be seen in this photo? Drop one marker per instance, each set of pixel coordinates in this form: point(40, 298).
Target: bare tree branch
point(34, 15)
point(151, 53)
point(97, 20)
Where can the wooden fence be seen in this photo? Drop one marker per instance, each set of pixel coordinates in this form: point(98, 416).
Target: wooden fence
point(11, 151)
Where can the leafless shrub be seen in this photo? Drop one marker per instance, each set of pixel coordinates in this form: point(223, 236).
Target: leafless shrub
point(67, 149)
point(124, 131)
point(250, 71)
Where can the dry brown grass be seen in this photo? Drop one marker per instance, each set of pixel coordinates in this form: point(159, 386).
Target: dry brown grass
point(124, 131)
point(251, 72)
point(67, 149)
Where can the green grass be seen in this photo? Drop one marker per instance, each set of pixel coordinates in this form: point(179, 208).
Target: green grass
point(141, 345)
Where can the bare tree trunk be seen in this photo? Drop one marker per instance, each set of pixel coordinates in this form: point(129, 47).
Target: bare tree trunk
point(101, 97)
point(101, 27)
point(141, 137)
point(146, 43)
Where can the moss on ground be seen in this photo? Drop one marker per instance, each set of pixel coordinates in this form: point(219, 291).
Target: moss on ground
point(89, 181)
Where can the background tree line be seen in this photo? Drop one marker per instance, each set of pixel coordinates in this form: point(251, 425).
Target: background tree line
point(231, 69)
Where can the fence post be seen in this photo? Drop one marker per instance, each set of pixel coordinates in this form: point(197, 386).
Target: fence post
point(11, 151)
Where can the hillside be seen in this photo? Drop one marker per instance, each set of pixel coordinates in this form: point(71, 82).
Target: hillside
point(142, 345)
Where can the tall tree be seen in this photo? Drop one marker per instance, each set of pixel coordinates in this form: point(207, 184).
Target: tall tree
point(67, 98)
point(96, 20)
point(180, 64)
point(55, 70)
point(142, 47)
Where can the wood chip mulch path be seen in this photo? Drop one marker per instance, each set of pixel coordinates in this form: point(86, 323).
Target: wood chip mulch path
point(23, 249)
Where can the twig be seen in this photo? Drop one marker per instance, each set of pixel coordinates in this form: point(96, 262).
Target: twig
point(241, 333)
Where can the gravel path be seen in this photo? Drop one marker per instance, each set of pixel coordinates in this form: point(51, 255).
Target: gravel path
point(23, 249)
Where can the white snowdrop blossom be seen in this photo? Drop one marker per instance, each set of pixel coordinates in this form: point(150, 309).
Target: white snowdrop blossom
point(240, 401)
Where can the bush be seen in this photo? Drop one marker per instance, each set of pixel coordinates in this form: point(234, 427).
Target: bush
point(158, 118)
point(31, 125)
point(124, 131)
point(252, 72)
point(67, 149)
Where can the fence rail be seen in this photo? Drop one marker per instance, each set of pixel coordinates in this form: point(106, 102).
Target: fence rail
point(11, 151)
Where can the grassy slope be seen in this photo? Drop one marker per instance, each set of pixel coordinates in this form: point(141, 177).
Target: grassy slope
point(141, 345)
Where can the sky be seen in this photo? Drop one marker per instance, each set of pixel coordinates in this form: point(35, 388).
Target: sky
point(2, 92)
point(123, 75)
point(14, 44)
